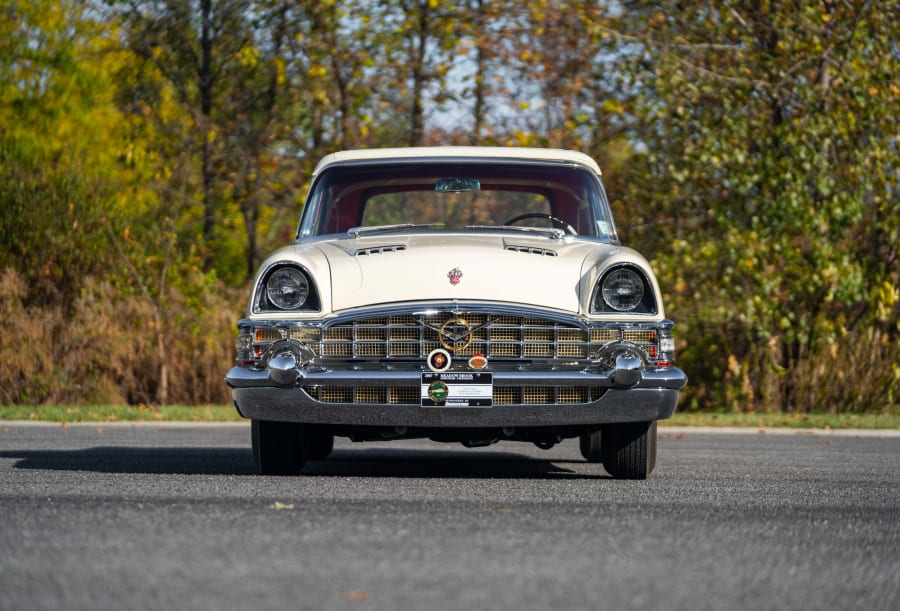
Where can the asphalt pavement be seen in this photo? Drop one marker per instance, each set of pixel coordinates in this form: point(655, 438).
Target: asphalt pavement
point(157, 516)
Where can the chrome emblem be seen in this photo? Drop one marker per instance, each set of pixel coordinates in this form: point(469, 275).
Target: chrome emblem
point(438, 392)
point(455, 334)
point(478, 361)
point(455, 275)
point(439, 360)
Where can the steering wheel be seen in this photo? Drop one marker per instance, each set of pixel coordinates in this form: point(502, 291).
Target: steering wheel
point(541, 215)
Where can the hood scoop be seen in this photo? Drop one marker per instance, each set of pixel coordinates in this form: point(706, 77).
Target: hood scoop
point(532, 250)
point(378, 250)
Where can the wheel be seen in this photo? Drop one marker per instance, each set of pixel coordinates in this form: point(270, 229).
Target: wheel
point(277, 447)
point(590, 446)
point(629, 449)
point(540, 215)
point(317, 444)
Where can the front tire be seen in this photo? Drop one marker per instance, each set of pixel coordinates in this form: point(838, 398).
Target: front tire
point(316, 443)
point(590, 446)
point(277, 447)
point(629, 449)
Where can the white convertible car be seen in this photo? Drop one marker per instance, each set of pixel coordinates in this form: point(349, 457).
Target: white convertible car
point(460, 294)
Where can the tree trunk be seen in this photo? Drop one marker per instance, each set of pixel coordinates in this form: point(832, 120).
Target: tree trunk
point(205, 78)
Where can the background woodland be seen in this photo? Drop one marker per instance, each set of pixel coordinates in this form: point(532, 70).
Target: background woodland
point(152, 152)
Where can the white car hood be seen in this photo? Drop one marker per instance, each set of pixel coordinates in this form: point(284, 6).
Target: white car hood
point(526, 270)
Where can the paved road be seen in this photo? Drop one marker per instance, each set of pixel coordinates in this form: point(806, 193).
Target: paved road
point(148, 517)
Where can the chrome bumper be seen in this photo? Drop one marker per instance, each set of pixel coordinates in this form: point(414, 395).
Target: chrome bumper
point(630, 395)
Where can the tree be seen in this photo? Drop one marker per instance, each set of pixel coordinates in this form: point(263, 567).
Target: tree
point(222, 61)
point(770, 153)
point(154, 150)
point(415, 39)
point(58, 145)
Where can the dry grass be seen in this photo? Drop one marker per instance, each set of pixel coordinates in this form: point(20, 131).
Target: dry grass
point(113, 349)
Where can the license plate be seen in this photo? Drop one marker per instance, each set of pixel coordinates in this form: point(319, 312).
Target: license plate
point(450, 389)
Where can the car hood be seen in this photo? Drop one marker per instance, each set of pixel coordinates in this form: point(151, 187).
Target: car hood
point(526, 270)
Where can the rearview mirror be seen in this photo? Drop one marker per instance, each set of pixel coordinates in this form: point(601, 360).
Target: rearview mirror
point(457, 185)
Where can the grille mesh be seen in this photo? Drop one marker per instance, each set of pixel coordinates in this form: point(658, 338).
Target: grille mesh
point(410, 395)
point(467, 334)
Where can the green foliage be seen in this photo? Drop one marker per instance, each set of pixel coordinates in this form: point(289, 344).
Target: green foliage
point(773, 150)
point(55, 163)
point(48, 226)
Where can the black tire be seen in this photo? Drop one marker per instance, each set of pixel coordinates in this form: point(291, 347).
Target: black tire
point(590, 446)
point(277, 447)
point(317, 444)
point(629, 449)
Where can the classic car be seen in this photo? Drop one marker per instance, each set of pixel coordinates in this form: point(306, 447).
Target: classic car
point(459, 294)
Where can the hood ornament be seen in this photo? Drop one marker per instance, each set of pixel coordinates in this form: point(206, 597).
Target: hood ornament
point(455, 275)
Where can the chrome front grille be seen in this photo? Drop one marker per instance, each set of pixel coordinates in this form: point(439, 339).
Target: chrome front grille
point(494, 336)
point(411, 337)
point(399, 343)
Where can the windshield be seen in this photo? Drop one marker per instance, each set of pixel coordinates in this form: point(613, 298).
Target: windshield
point(372, 198)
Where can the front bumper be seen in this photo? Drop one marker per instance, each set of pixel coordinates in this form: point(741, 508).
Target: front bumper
point(622, 395)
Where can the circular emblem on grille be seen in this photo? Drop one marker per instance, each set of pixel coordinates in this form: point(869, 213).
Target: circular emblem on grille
point(456, 334)
point(439, 360)
point(478, 361)
point(438, 392)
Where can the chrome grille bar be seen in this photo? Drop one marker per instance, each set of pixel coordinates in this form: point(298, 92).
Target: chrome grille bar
point(500, 336)
point(513, 338)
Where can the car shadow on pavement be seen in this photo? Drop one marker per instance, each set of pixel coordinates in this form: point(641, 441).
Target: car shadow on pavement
point(343, 463)
point(123, 459)
point(468, 464)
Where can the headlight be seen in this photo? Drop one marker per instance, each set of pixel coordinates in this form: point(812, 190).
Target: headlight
point(287, 288)
point(622, 290)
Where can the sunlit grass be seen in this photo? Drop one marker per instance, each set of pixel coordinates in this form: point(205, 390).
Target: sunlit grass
point(120, 413)
point(889, 419)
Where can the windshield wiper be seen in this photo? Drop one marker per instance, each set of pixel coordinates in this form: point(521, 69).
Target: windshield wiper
point(355, 232)
point(552, 232)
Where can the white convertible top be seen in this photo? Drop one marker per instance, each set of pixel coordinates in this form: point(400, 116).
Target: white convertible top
point(437, 153)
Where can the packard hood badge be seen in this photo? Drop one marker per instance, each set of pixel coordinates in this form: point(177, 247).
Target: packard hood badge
point(455, 275)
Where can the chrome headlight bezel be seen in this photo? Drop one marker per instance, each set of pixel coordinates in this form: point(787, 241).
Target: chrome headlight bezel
point(624, 289)
point(286, 287)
